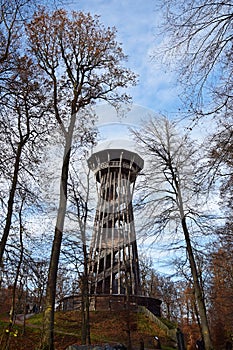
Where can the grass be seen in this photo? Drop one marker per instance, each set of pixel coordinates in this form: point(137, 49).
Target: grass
point(36, 319)
point(106, 327)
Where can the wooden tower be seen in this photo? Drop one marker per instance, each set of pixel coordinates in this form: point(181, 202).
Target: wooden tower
point(113, 264)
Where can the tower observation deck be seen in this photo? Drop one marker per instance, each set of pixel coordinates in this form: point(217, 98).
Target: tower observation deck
point(114, 266)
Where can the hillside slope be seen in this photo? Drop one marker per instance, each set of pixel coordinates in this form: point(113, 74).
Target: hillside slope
point(106, 327)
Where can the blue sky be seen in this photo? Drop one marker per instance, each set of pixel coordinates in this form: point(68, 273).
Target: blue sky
point(136, 22)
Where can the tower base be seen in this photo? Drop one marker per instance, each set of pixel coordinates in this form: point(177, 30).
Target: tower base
point(112, 303)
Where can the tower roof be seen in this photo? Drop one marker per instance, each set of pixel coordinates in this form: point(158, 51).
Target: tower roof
point(108, 155)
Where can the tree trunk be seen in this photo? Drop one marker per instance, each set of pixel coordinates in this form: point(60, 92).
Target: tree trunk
point(12, 313)
point(198, 291)
point(48, 324)
point(48, 330)
point(128, 324)
point(85, 302)
point(196, 283)
point(10, 203)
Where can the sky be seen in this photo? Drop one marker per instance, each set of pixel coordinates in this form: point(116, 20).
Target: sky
point(137, 23)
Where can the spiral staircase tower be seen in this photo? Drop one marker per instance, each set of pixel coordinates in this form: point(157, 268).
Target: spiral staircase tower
point(113, 263)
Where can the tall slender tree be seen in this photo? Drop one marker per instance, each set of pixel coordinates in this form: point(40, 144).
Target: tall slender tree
point(11, 19)
point(22, 108)
point(83, 63)
point(79, 211)
point(170, 194)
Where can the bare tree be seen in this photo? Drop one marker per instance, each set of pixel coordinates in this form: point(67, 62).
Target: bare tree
point(82, 61)
point(81, 200)
point(170, 194)
point(22, 109)
point(221, 164)
point(10, 28)
point(199, 38)
point(75, 246)
point(18, 268)
point(21, 104)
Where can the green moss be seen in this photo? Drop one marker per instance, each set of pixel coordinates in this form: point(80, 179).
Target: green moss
point(169, 324)
point(36, 319)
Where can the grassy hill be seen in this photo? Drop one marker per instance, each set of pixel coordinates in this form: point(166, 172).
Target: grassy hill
point(106, 327)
